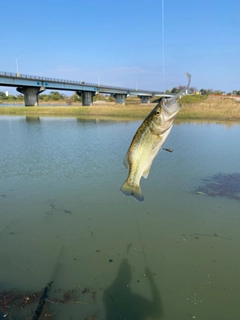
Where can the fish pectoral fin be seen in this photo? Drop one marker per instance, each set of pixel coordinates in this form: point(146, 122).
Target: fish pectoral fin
point(130, 190)
point(126, 161)
point(146, 172)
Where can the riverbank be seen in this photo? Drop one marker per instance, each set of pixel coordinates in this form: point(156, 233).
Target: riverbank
point(211, 108)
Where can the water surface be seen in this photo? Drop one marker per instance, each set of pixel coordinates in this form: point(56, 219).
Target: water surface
point(63, 219)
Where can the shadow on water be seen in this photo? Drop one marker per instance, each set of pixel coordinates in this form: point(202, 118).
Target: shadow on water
point(121, 303)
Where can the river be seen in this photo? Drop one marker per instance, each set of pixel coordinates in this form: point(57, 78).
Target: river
point(63, 220)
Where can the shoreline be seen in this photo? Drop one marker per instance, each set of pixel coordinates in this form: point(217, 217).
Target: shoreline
point(216, 109)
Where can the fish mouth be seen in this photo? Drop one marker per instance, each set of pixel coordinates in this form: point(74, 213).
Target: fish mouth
point(170, 108)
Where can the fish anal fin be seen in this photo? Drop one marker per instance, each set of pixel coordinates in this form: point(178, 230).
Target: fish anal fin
point(146, 172)
point(131, 190)
point(126, 161)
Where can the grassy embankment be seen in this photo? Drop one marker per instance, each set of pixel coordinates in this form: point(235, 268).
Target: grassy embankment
point(216, 108)
point(194, 108)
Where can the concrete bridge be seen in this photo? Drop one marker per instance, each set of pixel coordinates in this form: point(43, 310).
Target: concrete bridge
point(31, 86)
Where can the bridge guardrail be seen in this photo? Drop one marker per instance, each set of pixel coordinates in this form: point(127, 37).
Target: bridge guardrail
point(24, 76)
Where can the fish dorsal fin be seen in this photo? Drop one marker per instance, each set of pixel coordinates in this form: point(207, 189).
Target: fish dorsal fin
point(146, 172)
point(126, 161)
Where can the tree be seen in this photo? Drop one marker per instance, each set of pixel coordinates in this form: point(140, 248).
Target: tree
point(55, 95)
point(236, 92)
point(20, 97)
point(206, 91)
point(175, 90)
point(11, 97)
point(44, 97)
point(203, 91)
point(192, 90)
point(3, 96)
point(76, 98)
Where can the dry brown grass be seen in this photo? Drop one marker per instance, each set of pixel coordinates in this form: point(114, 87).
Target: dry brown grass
point(129, 111)
point(212, 109)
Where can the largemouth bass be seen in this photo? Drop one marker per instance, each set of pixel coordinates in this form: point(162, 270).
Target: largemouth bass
point(147, 142)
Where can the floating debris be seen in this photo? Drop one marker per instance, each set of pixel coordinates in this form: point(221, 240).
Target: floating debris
point(197, 235)
point(28, 305)
point(19, 305)
point(86, 290)
point(221, 184)
point(53, 208)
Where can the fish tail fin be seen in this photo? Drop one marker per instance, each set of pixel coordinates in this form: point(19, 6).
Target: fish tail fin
point(130, 190)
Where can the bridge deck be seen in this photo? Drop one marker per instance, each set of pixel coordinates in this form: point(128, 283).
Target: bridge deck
point(22, 80)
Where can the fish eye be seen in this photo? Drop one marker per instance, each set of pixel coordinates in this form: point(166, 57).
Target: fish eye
point(157, 112)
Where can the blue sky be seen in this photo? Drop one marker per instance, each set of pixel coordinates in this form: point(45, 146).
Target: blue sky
point(120, 42)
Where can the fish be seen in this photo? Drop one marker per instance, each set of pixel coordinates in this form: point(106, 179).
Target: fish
point(148, 141)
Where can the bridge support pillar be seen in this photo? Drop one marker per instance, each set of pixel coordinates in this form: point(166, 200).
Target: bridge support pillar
point(30, 95)
point(87, 97)
point(145, 99)
point(120, 98)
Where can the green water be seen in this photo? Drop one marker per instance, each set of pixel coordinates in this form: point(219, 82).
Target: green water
point(63, 219)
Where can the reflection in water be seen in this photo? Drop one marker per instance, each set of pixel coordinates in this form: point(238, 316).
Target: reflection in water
point(32, 119)
point(121, 303)
point(227, 124)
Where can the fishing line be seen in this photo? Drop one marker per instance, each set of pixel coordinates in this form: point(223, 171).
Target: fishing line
point(163, 57)
point(140, 238)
